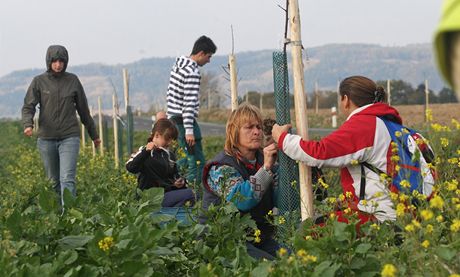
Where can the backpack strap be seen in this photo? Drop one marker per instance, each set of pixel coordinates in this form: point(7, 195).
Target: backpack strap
point(362, 188)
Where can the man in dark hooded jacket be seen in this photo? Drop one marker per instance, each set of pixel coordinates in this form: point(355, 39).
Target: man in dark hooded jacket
point(59, 95)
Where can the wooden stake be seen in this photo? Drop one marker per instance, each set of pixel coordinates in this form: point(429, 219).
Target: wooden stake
point(126, 88)
point(115, 128)
point(306, 192)
point(101, 131)
point(233, 82)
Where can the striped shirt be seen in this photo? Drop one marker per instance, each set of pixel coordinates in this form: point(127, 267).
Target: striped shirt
point(183, 92)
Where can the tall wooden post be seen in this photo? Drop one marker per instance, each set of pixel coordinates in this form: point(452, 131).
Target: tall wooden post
point(129, 113)
point(115, 129)
point(233, 81)
point(209, 100)
point(389, 91)
point(427, 93)
point(126, 88)
point(101, 130)
point(306, 192)
point(316, 98)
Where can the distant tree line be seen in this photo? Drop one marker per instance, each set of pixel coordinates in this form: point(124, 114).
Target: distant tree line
point(402, 93)
point(213, 96)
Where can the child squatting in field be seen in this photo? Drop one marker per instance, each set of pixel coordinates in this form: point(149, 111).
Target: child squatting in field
point(157, 167)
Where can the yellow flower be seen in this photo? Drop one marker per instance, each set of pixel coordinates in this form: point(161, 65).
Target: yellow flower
point(389, 270)
point(394, 196)
point(378, 194)
point(456, 124)
point(354, 162)
point(409, 228)
point(425, 243)
point(257, 233)
point(282, 251)
point(405, 184)
point(429, 228)
point(270, 212)
point(342, 197)
point(444, 142)
point(375, 226)
point(257, 240)
point(105, 243)
point(348, 194)
point(439, 218)
point(332, 215)
point(403, 197)
point(455, 226)
point(301, 253)
point(395, 158)
point(331, 200)
point(400, 209)
point(198, 162)
point(308, 237)
point(416, 223)
point(426, 214)
point(347, 211)
point(437, 202)
point(452, 185)
point(322, 183)
point(364, 202)
point(452, 160)
point(281, 220)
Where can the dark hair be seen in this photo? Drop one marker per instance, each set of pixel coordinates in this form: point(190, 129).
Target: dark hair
point(164, 127)
point(362, 91)
point(204, 44)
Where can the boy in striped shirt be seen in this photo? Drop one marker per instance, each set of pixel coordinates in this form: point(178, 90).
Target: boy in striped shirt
point(184, 103)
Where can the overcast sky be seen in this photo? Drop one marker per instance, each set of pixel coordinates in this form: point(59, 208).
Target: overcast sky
point(122, 31)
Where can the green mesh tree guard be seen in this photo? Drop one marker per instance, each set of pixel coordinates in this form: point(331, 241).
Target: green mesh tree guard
point(288, 169)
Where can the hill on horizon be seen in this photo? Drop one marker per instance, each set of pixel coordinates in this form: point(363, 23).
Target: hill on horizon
point(324, 64)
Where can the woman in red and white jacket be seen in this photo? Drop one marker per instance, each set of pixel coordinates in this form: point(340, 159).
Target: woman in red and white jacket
point(362, 138)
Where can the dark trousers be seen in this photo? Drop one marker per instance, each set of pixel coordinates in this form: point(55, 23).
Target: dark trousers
point(267, 249)
point(178, 198)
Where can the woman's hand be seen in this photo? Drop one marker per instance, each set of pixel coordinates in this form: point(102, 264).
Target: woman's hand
point(278, 130)
point(179, 183)
point(270, 154)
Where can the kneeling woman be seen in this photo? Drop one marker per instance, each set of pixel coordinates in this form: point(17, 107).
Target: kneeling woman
point(156, 166)
point(242, 174)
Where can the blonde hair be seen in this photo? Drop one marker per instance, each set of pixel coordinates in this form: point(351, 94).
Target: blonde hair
point(242, 115)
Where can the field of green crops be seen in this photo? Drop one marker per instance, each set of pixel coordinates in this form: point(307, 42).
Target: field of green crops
point(105, 231)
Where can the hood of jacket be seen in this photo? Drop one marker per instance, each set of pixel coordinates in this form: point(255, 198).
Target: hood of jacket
point(56, 52)
point(183, 61)
point(378, 109)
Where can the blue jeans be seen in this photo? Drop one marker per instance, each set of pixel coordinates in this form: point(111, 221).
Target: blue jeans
point(59, 157)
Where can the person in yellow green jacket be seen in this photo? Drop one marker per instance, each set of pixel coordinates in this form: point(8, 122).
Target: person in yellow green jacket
point(447, 44)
